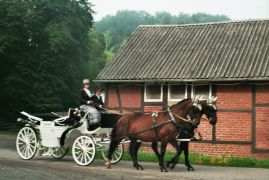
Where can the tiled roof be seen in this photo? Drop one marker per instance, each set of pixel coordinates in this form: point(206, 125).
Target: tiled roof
point(228, 51)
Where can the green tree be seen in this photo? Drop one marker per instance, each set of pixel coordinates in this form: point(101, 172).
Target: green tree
point(44, 52)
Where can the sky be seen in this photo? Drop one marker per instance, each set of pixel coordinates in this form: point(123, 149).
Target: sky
point(234, 9)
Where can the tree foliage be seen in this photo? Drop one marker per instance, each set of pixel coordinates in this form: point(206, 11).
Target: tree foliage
point(117, 28)
point(45, 49)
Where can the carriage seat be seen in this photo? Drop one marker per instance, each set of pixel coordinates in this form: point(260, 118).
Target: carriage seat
point(47, 116)
point(70, 119)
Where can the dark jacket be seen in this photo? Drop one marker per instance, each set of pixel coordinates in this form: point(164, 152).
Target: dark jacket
point(97, 101)
point(84, 97)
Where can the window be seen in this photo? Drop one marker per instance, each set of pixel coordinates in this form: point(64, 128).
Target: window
point(153, 93)
point(177, 92)
point(204, 90)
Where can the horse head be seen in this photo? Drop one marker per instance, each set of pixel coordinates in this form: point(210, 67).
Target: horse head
point(209, 108)
point(200, 107)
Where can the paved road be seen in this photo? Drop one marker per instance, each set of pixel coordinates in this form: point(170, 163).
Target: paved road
point(11, 167)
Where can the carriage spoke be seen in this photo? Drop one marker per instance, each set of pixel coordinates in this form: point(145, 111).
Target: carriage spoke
point(30, 150)
point(23, 140)
point(91, 153)
point(85, 158)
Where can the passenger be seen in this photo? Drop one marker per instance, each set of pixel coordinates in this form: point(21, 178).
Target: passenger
point(87, 104)
point(98, 100)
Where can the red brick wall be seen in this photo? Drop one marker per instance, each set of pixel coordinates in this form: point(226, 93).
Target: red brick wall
point(262, 94)
point(234, 97)
point(130, 96)
point(206, 129)
point(112, 101)
point(262, 127)
point(234, 126)
point(152, 108)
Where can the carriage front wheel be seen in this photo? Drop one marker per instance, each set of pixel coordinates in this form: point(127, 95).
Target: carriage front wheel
point(83, 150)
point(26, 143)
point(116, 156)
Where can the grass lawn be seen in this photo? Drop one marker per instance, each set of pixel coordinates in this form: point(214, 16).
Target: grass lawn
point(200, 159)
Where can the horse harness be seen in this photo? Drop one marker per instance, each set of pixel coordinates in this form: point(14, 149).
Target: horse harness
point(155, 126)
point(171, 120)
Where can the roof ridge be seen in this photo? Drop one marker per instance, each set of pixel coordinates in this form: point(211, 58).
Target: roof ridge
point(199, 24)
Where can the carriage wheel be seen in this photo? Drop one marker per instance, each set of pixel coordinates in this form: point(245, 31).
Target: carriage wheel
point(26, 143)
point(60, 152)
point(116, 156)
point(83, 150)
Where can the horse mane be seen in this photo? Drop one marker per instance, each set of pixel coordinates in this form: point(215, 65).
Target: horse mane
point(182, 101)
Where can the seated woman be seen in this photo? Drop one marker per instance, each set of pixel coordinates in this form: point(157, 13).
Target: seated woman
point(87, 104)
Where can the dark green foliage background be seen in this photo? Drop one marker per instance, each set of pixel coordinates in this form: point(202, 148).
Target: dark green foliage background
point(47, 47)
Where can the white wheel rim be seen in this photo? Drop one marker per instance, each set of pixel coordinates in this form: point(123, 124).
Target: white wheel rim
point(59, 152)
point(116, 156)
point(83, 150)
point(26, 143)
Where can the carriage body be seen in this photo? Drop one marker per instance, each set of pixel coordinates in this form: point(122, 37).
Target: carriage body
point(50, 133)
point(47, 132)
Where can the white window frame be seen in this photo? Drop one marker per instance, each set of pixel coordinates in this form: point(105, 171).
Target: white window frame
point(210, 90)
point(153, 100)
point(169, 92)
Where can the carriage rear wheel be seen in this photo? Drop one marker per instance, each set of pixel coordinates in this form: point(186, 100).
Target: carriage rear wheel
point(83, 150)
point(26, 143)
point(116, 156)
point(60, 152)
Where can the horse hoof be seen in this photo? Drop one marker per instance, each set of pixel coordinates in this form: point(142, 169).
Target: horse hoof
point(163, 169)
point(168, 164)
point(173, 166)
point(191, 169)
point(140, 167)
point(108, 166)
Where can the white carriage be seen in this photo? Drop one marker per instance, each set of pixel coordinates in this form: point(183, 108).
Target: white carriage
point(49, 134)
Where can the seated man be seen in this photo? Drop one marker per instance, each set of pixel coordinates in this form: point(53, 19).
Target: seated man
point(98, 100)
point(87, 105)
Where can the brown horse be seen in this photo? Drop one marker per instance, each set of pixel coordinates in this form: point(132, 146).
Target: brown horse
point(163, 127)
point(187, 131)
point(203, 108)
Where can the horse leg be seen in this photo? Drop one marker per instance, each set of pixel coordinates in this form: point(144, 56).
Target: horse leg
point(174, 160)
point(163, 149)
point(112, 147)
point(178, 153)
point(185, 146)
point(133, 148)
point(154, 146)
point(138, 144)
